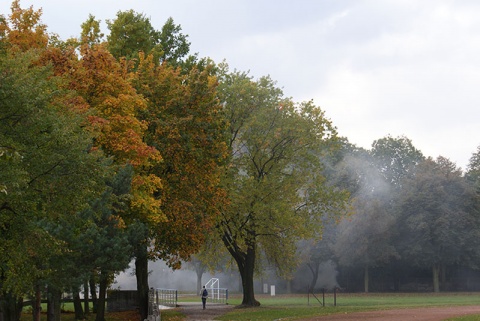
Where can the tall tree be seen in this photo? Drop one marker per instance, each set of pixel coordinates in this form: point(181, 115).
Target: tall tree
point(365, 239)
point(91, 34)
point(435, 207)
point(185, 123)
point(107, 240)
point(23, 30)
point(396, 157)
point(473, 170)
point(50, 174)
point(173, 43)
point(276, 189)
point(131, 33)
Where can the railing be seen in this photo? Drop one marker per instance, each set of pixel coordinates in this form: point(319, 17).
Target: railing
point(335, 289)
point(218, 295)
point(168, 297)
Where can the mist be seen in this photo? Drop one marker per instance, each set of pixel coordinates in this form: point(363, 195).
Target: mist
point(161, 276)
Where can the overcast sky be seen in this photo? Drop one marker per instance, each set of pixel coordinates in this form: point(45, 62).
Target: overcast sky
point(398, 67)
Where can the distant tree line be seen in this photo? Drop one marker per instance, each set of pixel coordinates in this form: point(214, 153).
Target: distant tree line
point(414, 223)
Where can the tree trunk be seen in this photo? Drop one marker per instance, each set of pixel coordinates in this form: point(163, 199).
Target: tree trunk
point(199, 269)
point(366, 278)
point(77, 305)
point(141, 272)
point(102, 293)
point(289, 286)
point(247, 267)
point(436, 278)
point(314, 268)
point(93, 292)
point(443, 278)
point(10, 307)
point(86, 305)
point(53, 304)
point(37, 304)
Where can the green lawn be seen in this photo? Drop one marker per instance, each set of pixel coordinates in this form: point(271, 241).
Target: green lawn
point(297, 307)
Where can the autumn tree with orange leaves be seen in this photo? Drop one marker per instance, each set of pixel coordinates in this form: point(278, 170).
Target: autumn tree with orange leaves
point(168, 124)
point(51, 171)
point(186, 125)
point(95, 85)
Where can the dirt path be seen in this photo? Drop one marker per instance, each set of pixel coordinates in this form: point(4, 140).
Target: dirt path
point(194, 312)
point(420, 314)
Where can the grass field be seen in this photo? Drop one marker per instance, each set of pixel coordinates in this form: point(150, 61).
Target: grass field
point(296, 307)
point(292, 307)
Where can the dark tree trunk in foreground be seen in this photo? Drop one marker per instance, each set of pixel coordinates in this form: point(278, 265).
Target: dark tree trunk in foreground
point(93, 293)
point(10, 307)
point(37, 304)
point(77, 305)
point(246, 266)
point(102, 293)
point(86, 304)
point(141, 272)
point(247, 273)
point(53, 304)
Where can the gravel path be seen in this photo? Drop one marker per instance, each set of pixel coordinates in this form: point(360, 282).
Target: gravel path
point(420, 314)
point(195, 312)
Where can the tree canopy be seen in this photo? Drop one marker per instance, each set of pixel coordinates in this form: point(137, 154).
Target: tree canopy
point(277, 193)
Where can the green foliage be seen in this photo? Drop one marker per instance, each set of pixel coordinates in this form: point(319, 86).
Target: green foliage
point(185, 123)
point(473, 172)
point(131, 33)
point(50, 176)
point(435, 213)
point(91, 33)
point(276, 189)
point(174, 45)
point(396, 157)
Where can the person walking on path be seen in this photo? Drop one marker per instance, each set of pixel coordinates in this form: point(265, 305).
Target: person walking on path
point(204, 297)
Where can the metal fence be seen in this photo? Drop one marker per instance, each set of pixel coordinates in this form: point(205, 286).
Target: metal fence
point(218, 295)
point(168, 297)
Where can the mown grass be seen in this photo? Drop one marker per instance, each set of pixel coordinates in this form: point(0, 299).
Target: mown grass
point(294, 307)
point(297, 307)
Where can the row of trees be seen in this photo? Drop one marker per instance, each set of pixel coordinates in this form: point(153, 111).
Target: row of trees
point(130, 148)
point(105, 158)
point(411, 213)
